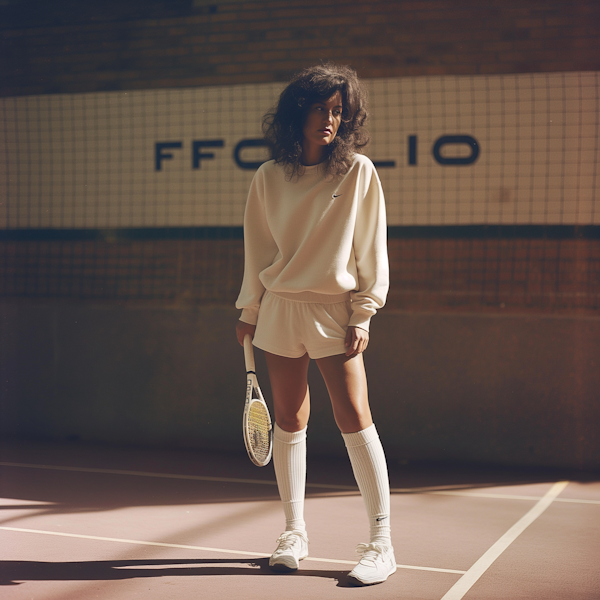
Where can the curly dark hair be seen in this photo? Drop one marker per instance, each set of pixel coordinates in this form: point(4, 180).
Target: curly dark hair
point(283, 125)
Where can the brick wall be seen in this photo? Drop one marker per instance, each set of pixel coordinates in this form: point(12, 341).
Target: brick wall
point(500, 274)
point(66, 47)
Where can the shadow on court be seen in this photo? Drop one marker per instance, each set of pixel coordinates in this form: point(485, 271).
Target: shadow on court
point(17, 572)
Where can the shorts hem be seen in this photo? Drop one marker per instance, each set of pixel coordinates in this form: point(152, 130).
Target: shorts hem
point(277, 351)
point(327, 352)
point(317, 354)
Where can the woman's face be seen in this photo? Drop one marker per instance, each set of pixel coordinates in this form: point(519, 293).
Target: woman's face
point(323, 121)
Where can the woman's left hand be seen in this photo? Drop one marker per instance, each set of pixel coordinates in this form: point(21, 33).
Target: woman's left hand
point(357, 340)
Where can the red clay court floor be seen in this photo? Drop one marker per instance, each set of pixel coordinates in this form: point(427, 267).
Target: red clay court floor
point(81, 521)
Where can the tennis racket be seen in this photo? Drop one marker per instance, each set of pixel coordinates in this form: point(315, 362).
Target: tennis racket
point(258, 432)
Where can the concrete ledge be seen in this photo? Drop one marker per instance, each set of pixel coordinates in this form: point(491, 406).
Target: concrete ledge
point(504, 389)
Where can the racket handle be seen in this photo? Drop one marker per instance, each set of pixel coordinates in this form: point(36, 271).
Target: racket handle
point(249, 354)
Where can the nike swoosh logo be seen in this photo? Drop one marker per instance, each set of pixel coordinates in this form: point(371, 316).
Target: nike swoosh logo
point(335, 195)
point(380, 518)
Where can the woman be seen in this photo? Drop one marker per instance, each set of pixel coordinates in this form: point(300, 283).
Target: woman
point(316, 270)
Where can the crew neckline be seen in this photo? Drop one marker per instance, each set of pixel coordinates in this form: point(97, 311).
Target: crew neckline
point(313, 167)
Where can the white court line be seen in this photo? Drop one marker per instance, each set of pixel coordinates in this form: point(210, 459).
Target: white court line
point(508, 496)
point(466, 492)
point(206, 549)
point(576, 501)
point(484, 495)
point(468, 580)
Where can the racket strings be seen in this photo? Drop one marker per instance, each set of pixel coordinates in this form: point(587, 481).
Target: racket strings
point(259, 431)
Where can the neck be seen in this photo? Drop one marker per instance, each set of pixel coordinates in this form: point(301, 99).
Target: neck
point(312, 154)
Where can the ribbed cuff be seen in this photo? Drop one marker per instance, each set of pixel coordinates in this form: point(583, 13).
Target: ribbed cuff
point(361, 438)
point(249, 315)
point(360, 319)
point(289, 437)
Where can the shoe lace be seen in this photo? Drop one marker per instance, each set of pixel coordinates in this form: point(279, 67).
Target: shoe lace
point(288, 538)
point(370, 552)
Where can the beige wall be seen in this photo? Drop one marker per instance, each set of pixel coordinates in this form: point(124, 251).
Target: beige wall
point(90, 160)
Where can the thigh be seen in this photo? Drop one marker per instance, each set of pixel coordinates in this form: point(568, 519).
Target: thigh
point(289, 386)
point(346, 383)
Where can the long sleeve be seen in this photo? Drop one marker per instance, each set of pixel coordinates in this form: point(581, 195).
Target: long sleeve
point(370, 252)
point(260, 250)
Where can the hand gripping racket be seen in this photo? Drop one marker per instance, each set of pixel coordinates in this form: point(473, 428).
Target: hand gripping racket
point(258, 432)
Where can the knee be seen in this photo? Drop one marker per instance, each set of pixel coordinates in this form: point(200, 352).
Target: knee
point(290, 423)
point(353, 420)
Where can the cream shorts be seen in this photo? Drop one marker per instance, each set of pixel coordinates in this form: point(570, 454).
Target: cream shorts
point(292, 327)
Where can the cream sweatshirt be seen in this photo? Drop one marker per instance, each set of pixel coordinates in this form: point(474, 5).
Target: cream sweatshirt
point(316, 236)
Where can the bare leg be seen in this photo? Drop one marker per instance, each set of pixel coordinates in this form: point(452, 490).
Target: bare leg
point(290, 390)
point(346, 383)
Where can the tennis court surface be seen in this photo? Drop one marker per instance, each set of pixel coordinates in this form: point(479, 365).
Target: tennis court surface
point(82, 521)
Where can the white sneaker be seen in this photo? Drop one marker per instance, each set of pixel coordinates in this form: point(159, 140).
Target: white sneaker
point(375, 566)
point(292, 547)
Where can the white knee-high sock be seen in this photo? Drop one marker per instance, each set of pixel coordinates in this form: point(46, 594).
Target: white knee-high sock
point(370, 470)
point(289, 459)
